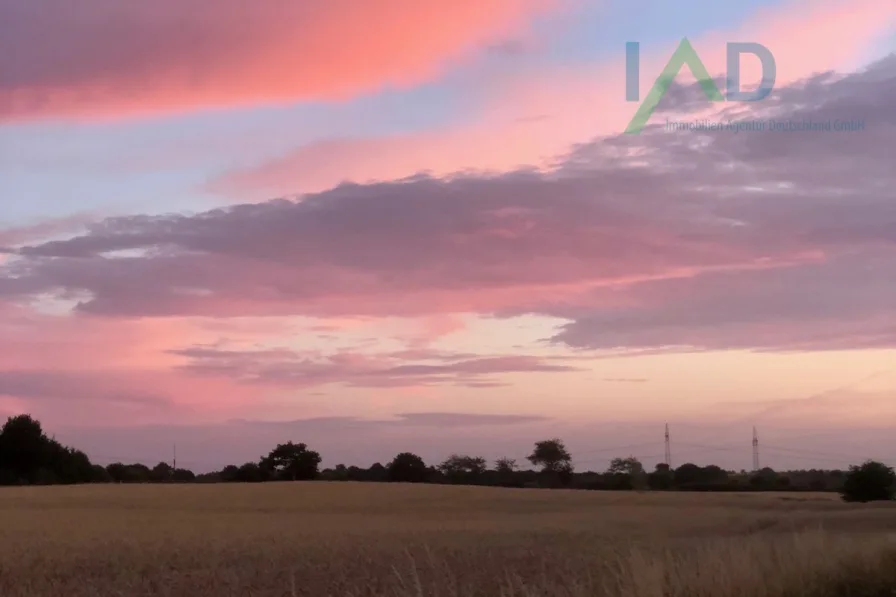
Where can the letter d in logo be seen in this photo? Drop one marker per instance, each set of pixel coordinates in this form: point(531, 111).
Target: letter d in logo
point(769, 72)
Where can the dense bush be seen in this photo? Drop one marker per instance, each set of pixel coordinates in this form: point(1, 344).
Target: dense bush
point(869, 482)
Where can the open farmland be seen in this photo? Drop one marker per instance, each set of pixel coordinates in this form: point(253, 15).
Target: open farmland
point(333, 539)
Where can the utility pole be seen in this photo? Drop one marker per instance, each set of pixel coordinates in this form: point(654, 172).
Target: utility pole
point(174, 458)
point(668, 449)
point(755, 451)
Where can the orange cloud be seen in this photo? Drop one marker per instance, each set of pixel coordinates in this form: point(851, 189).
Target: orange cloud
point(136, 58)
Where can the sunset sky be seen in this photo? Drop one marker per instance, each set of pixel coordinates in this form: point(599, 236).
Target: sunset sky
point(387, 225)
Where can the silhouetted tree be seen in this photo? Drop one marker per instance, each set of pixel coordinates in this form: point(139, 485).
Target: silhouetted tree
point(505, 469)
point(117, 472)
point(407, 468)
point(162, 472)
point(551, 455)
point(458, 468)
point(23, 448)
point(99, 474)
point(356, 473)
point(714, 474)
point(129, 473)
point(661, 478)
point(870, 482)
point(229, 473)
point(505, 466)
point(631, 468)
point(564, 473)
point(818, 485)
point(65, 465)
point(687, 474)
point(555, 462)
point(139, 473)
point(251, 473)
point(292, 462)
point(377, 473)
point(182, 475)
point(27, 455)
point(764, 479)
point(340, 473)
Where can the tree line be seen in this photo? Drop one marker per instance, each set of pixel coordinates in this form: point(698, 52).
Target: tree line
point(29, 457)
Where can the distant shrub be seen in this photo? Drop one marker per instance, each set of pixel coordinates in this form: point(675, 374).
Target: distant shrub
point(869, 482)
point(407, 468)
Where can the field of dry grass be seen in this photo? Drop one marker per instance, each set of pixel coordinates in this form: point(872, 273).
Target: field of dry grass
point(344, 539)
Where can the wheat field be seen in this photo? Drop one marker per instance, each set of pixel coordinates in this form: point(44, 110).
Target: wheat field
point(345, 539)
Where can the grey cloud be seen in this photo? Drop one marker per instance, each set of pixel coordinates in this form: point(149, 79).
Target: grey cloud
point(68, 386)
point(288, 368)
point(421, 419)
point(464, 419)
point(13, 236)
point(769, 241)
point(842, 303)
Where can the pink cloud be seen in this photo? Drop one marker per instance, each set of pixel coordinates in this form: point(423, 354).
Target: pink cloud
point(790, 251)
point(127, 371)
point(109, 58)
point(87, 369)
point(774, 243)
point(11, 236)
point(426, 247)
point(621, 247)
point(810, 36)
point(287, 368)
point(529, 118)
point(83, 343)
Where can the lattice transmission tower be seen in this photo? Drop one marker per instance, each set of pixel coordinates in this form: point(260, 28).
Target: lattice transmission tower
point(755, 450)
point(668, 448)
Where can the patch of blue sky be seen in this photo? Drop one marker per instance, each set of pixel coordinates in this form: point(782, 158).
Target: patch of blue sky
point(599, 30)
point(56, 167)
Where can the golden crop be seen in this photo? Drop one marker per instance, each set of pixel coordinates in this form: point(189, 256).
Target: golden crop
point(346, 539)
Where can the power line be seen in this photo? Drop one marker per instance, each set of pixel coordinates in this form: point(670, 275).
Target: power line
point(595, 460)
point(798, 451)
point(837, 459)
point(619, 448)
point(710, 448)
